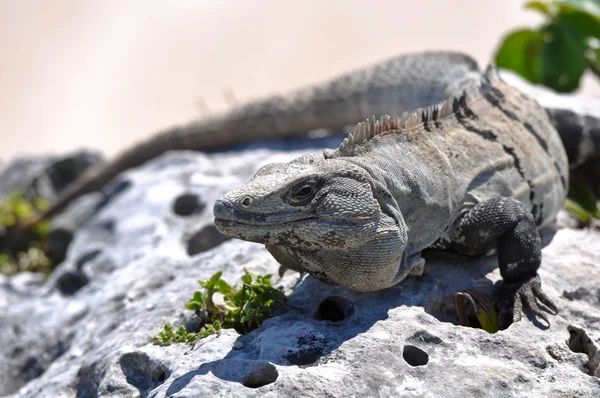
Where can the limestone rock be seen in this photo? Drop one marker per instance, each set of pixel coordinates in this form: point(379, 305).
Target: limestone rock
point(86, 330)
point(45, 176)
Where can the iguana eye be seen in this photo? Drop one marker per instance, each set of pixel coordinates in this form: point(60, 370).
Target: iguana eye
point(303, 192)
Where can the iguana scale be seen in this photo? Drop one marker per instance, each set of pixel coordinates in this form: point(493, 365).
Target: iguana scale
point(480, 171)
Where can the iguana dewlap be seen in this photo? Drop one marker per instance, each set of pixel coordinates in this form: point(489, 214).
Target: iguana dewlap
point(480, 171)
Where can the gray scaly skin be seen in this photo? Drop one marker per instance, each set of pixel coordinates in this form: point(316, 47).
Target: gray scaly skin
point(402, 83)
point(480, 171)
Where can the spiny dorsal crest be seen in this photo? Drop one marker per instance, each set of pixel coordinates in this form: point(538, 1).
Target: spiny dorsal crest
point(387, 124)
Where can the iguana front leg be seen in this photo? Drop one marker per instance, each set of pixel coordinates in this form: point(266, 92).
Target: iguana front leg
point(507, 224)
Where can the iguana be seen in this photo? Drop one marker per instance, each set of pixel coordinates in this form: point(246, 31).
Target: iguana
point(479, 171)
point(402, 83)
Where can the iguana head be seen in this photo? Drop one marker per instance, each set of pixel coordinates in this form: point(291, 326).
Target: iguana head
point(323, 215)
point(311, 202)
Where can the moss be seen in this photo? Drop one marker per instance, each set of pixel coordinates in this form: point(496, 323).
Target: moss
point(23, 249)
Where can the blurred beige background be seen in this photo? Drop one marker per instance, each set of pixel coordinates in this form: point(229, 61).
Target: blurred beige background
point(104, 74)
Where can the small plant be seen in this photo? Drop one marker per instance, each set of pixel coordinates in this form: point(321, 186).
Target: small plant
point(23, 250)
point(582, 202)
point(557, 53)
point(244, 307)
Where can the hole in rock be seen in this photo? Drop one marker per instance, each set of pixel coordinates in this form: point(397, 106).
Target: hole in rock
point(142, 372)
point(59, 240)
point(415, 356)
point(262, 376)
point(188, 204)
point(205, 239)
point(304, 356)
point(580, 342)
point(89, 256)
point(66, 170)
point(32, 368)
point(71, 281)
point(335, 308)
point(475, 307)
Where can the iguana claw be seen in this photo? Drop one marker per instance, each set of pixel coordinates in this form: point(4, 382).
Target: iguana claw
point(513, 296)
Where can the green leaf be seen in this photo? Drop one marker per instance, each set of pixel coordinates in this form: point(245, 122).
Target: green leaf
point(582, 201)
point(584, 24)
point(197, 302)
point(247, 277)
point(212, 282)
point(521, 52)
point(223, 287)
point(584, 195)
point(488, 321)
point(540, 6)
point(41, 228)
point(563, 56)
point(589, 7)
point(584, 216)
point(41, 204)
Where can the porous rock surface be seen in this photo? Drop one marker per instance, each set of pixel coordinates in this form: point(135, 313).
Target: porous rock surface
point(44, 175)
point(86, 330)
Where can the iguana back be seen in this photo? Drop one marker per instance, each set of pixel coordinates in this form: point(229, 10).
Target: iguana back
point(492, 141)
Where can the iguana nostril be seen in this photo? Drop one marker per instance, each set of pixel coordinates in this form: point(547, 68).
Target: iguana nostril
point(247, 201)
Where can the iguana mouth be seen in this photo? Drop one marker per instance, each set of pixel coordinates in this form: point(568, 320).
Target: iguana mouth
point(227, 215)
point(231, 222)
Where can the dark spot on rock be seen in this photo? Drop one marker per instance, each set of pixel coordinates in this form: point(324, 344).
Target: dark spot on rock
point(443, 308)
point(111, 191)
point(89, 377)
point(188, 204)
point(580, 342)
point(262, 376)
point(59, 240)
point(305, 356)
point(16, 352)
point(195, 323)
point(556, 352)
point(66, 170)
point(57, 350)
point(425, 337)
point(310, 339)
point(205, 239)
point(583, 294)
point(142, 372)
point(89, 256)
point(415, 356)
point(71, 281)
point(335, 308)
point(107, 226)
point(32, 368)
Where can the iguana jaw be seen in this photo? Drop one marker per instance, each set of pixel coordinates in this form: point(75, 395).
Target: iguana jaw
point(285, 230)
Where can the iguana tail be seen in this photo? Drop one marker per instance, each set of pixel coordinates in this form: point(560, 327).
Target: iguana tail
point(580, 133)
point(402, 83)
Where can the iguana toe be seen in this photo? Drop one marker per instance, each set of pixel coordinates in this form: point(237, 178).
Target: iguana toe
point(523, 294)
